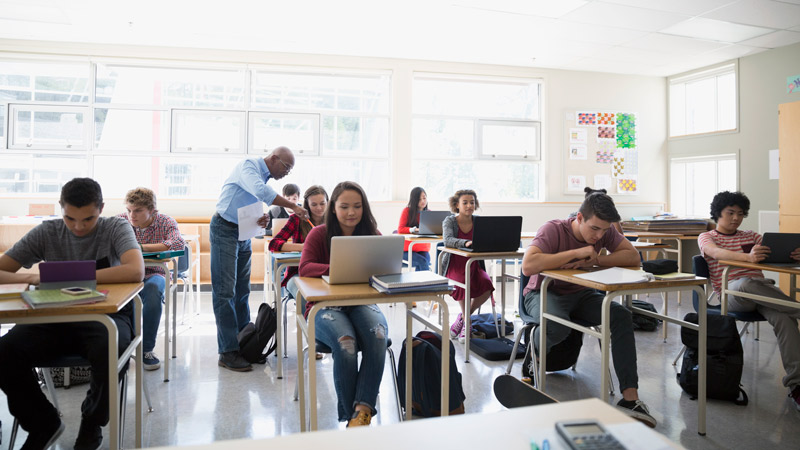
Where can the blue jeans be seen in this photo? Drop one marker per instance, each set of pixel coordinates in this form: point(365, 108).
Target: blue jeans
point(366, 327)
point(152, 295)
point(420, 261)
point(230, 282)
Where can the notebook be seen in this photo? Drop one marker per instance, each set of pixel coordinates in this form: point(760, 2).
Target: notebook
point(354, 259)
point(781, 246)
point(13, 290)
point(495, 234)
point(616, 275)
point(430, 222)
point(63, 274)
point(166, 254)
point(408, 279)
point(53, 298)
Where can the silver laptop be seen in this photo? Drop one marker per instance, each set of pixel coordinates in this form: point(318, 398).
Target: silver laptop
point(430, 222)
point(354, 259)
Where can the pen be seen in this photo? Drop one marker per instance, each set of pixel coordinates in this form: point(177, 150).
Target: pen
point(534, 446)
point(545, 445)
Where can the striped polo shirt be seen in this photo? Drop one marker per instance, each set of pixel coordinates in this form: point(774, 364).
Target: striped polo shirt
point(740, 242)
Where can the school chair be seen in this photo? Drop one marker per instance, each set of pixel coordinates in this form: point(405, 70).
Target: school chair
point(322, 348)
point(67, 361)
point(700, 269)
point(185, 277)
point(529, 326)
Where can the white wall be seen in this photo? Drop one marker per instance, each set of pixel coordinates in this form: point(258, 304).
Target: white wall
point(563, 91)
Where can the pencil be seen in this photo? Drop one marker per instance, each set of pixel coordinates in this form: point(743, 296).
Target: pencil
point(309, 222)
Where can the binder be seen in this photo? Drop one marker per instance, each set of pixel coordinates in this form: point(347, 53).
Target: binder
point(408, 279)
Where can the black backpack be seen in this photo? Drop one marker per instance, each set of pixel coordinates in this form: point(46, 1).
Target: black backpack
point(255, 338)
point(642, 322)
point(725, 360)
point(561, 357)
point(426, 376)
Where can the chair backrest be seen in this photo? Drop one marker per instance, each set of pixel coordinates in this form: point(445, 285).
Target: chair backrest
point(183, 261)
point(700, 269)
point(523, 314)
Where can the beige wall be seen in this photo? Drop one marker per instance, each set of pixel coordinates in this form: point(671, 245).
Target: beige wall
point(564, 91)
point(762, 87)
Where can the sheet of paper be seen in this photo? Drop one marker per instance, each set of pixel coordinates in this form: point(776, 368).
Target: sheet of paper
point(615, 275)
point(248, 215)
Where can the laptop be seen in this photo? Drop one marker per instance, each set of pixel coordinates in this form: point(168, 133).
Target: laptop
point(781, 246)
point(430, 223)
point(495, 234)
point(354, 259)
point(64, 274)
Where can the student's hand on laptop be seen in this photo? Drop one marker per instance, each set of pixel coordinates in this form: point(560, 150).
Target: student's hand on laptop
point(33, 279)
point(468, 244)
point(758, 253)
point(263, 221)
point(301, 213)
point(795, 254)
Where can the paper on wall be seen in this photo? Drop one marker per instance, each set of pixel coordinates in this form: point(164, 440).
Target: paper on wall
point(248, 215)
point(576, 183)
point(577, 135)
point(577, 151)
point(602, 182)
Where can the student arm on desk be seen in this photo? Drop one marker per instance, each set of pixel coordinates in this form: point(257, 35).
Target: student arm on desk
point(708, 248)
point(8, 272)
point(537, 260)
point(624, 255)
point(451, 240)
point(130, 269)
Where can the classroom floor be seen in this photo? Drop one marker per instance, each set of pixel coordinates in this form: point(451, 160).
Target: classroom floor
point(203, 403)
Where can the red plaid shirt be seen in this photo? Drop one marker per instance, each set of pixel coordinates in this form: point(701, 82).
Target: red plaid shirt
point(162, 230)
point(290, 231)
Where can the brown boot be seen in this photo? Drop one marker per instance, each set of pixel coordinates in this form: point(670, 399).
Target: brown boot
point(360, 419)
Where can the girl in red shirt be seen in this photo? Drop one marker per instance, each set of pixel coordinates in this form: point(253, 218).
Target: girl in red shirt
point(409, 223)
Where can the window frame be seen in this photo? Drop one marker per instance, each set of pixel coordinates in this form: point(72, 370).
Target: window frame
point(315, 119)
point(711, 72)
point(716, 158)
point(537, 145)
point(174, 131)
point(86, 128)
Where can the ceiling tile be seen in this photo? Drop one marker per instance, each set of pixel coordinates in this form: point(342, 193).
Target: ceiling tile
point(733, 51)
point(622, 16)
point(604, 65)
point(763, 13)
point(774, 40)
point(593, 33)
point(674, 44)
point(715, 30)
point(689, 7)
point(542, 8)
point(627, 54)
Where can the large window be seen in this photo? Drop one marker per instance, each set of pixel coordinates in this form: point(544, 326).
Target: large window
point(479, 133)
point(695, 181)
point(181, 130)
point(703, 102)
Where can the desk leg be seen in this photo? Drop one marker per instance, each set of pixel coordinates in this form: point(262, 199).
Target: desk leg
point(605, 343)
point(167, 311)
point(409, 359)
point(543, 332)
point(113, 380)
point(679, 244)
point(445, 400)
point(664, 310)
point(301, 382)
point(312, 369)
point(280, 345)
point(467, 309)
point(139, 361)
point(702, 361)
point(502, 301)
point(175, 307)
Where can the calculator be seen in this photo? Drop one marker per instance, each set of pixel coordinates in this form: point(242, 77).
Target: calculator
point(587, 435)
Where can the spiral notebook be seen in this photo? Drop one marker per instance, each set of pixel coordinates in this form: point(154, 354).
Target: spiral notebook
point(408, 279)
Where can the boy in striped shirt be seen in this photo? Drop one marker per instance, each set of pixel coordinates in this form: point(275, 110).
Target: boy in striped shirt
point(728, 209)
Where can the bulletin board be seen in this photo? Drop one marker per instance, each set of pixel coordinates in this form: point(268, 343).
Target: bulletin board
point(600, 151)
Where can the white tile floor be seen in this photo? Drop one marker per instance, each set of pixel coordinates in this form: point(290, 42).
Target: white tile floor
point(203, 403)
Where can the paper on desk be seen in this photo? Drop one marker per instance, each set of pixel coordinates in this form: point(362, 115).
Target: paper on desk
point(642, 244)
point(248, 215)
point(615, 275)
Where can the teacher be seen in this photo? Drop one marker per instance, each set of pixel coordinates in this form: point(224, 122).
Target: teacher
point(230, 257)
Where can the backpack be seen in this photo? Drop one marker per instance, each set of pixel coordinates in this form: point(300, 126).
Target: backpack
point(725, 360)
point(642, 322)
point(254, 338)
point(426, 376)
point(483, 323)
point(561, 357)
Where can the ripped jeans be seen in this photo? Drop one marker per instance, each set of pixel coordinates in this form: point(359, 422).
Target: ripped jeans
point(335, 327)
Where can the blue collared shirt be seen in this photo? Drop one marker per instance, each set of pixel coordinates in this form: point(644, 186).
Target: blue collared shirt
point(247, 184)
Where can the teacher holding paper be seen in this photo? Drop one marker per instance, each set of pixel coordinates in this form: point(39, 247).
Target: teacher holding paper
point(230, 257)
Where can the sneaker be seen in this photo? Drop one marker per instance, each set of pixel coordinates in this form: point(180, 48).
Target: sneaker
point(795, 396)
point(90, 437)
point(457, 326)
point(234, 361)
point(462, 335)
point(360, 419)
point(46, 437)
point(151, 361)
point(638, 410)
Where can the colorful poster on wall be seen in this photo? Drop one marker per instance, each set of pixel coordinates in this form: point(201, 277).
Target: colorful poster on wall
point(576, 183)
point(793, 84)
point(631, 162)
point(626, 185)
point(605, 156)
point(626, 130)
point(606, 133)
point(606, 118)
point(577, 136)
point(577, 151)
point(586, 118)
point(618, 166)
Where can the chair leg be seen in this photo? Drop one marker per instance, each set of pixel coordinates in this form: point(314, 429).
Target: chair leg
point(13, 438)
point(48, 382)
point(285, 301)
point(534, 362)
point(758, 330)
point(300, 376)
point(675, 362)
point(394, 382)
point(123, 403)
point(66, 377)
point(516, 345)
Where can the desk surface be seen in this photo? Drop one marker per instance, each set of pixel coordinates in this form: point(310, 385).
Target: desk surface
point(119, 295)
point(519, 253)
point(317, 290)
point(758, 266)
point(568, 275)
point(516, 426)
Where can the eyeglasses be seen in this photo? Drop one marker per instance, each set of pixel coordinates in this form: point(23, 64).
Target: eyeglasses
point(286, 166)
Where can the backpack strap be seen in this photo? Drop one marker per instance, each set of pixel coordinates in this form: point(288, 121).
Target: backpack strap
point(742, 400)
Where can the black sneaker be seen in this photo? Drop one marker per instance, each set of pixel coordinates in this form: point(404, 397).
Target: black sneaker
point(150, 361)
point(638, 410)
point(45, 437)
point(90, 437)
point(795, 396)
point(234, 361)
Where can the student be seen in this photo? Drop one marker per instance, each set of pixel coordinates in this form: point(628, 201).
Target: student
point(409, 223)
point(315, 200)
point(346, 330)
point(589, 191)
point(290, 192)
point(155, 232)
point(727, 241)
point(457, 231)
point(81, 235)
point(574, 243)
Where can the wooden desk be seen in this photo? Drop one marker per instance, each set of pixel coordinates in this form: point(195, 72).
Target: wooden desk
point(17, 311)
point(518, 426)
point(413, 239)
point(677, 238)
point(323, 294)
point(170, 297)
point(472, 257)
point(615, 290)
point(724, 291)
point(280, 337)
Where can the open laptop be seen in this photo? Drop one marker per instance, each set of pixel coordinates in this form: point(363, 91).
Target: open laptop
point(781, 246)
point(354, 259)
point(495, 234)
point(64, 274)
point(430, 223)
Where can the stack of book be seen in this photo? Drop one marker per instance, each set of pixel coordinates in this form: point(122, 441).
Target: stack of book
point(14, 290)
point(676, 226)
point(53, 298)
point(410, 282)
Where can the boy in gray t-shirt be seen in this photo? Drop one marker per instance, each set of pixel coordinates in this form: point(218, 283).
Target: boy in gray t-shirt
point(81, 235)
